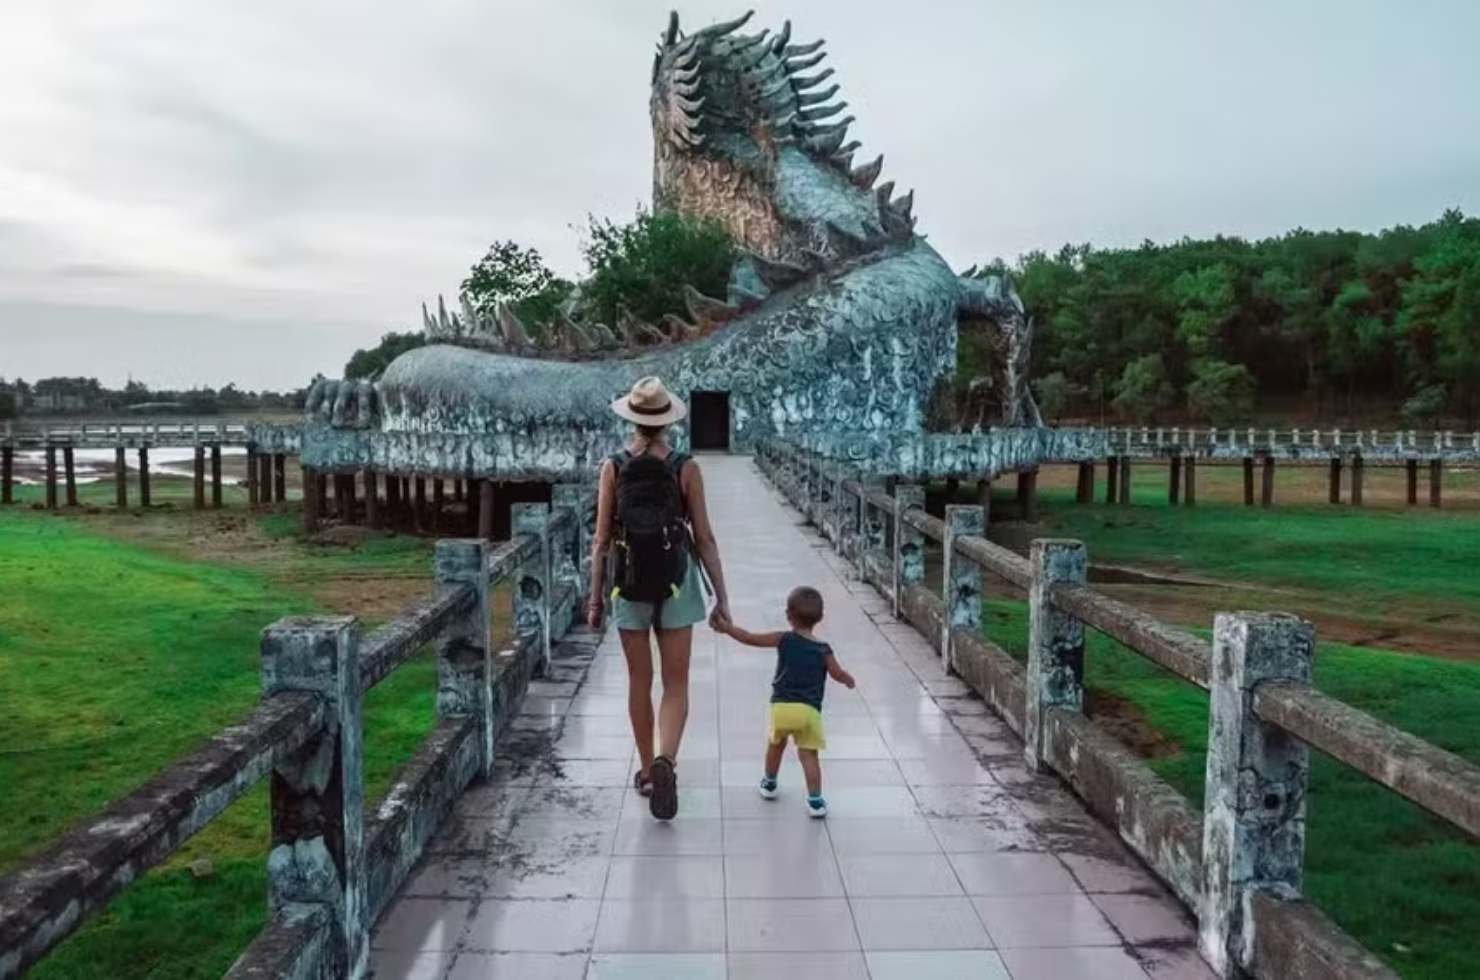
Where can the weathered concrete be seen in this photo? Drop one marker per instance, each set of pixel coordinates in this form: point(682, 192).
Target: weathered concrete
point(465, 647)
point(961, 578)
point(909, 545)
point(1055, 675)
point(293, 946)
point(992, 673)
point(1183, 654)
point(532, 584)
point(1254, 831)
point(1293, 940)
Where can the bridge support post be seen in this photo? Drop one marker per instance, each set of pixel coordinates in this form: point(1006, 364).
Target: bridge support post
point(254, 492)
point(318, 806)
point(1411, 466)
point(51, 477)
point(532, 588)
point(1189, 475)
point(1174, 480)
point(1334, 491)
point(1254, 828)
point(1125, 480)
point(372, 499)
point(1357, 480)
point(1084, 492)
point(984, 496)
point(1112, 479)
point(1055, 675)
point(487, 507)
point(280, 477)
point(419, 504)
point(465, 649)
point(69, 471)
point(1266, 489)
point(120, 477)
point(1027, 495)
point(961, 580)
point(909, 544)
point(439, 501)
point(145, 496)
point(1436, 481)
point(1248, 481)
point(7, 474)
point(215, 476)
point(198, 474)
point(313, 500)
point(264, 478)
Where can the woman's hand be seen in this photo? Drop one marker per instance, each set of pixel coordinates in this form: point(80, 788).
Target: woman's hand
point(719, 616)
point(593, 613)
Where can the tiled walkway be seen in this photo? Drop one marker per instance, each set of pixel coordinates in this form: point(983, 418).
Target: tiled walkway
point(942, 857)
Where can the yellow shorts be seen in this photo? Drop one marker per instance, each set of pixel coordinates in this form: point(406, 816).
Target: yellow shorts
point(800, 722)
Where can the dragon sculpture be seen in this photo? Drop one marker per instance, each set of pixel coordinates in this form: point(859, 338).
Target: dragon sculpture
point(838, 318)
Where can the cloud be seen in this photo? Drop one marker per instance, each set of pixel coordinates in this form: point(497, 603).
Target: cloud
point(330, 165)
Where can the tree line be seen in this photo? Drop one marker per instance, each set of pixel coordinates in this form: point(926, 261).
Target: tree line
point(1340, 322)
point(81, 396)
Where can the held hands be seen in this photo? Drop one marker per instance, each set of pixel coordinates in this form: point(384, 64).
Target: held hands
point(719, 618)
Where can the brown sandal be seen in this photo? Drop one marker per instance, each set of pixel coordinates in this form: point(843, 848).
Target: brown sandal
point(643, 783)
point(664, 802)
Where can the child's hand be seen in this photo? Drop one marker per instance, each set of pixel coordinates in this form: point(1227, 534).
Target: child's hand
point(848, 681)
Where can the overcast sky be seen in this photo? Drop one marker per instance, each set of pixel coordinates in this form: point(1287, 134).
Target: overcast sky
point(204, 191)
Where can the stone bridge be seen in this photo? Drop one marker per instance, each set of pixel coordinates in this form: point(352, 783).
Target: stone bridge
point(980, 825)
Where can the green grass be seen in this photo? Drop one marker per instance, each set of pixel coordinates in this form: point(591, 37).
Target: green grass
point(1404, 883)
point(115, 660)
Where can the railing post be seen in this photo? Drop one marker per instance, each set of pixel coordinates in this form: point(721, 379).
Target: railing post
point(1055, 677)
point(961, 579)
point(849, 523)
point(465, 648)
point(839, 504)
point(1254, 827)
point(318, 806)
point(572, 552)
point(532, 591)
point(873, 533)
point(909, 544)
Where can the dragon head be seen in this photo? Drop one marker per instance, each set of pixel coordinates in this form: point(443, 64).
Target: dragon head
point(746, 132)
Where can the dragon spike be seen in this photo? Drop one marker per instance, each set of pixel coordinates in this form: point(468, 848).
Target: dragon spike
point(843, 161)
point(814, 98)
point(657, 66)
point(671, 35)
point(691, 107)
point(795, 65)
point(514, 333)
point(883, 193)
point(604, 336)
point(827, 140)
point(904, 205)
point(849, 148)
point(865, 175)
point(686, 60)
point(803, 82)
point(777, 276)
point(427, 323)
point(727, 27)
point(897, 226)
point(747, 300)
point(683, 76)
point(784, 122)
point(740, 44)
point(684, 136)
point(969, 273)
point(822, 112)
point(706, 308)
point(802, 50)
point(816, 261)
point(780, 85)
point(752, 60)
point(781, 40)
point(679, 329)
point(685, 89)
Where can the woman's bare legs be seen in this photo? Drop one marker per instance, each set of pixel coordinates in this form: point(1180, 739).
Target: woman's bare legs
point(675, 649)
point(638, 650)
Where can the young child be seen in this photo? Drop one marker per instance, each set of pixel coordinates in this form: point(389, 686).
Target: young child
point(803, 665)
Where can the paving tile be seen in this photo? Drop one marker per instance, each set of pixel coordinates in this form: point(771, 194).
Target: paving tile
point(1005, 831)
point(657, 966)
point(883, 875)
point(519, 966)
point(1098, 875)
point(1012, 874)
point(690, 925)
point(512, 874)
point(691, 835)
point(1044, 920)
point(800, 835)
point(570, 801)
point(532, 926)
point(881, 835)
point(395, 964)
point(664, 877)
point(573, 837)
point(1145, 919)
point(970, 800)
point(918, 923)
point(944, 965)
point(1163, 962)
point(783, 875)
point(415, 924)
point(787, 925)
point(1102, 963)
point(805, 966)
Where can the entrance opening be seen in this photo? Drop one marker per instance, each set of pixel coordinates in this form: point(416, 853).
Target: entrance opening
point(709, 421)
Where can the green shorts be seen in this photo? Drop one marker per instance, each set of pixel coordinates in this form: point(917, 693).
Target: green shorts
point(684, 609)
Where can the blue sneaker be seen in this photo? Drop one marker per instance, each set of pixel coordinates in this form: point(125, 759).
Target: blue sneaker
point(768, 787)
point(817, 806)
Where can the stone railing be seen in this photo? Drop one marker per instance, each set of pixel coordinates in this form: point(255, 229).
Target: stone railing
point(127, 434)
point(333, 867)
point(1238, 864)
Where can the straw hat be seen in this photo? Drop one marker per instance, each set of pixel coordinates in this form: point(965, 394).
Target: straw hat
point(649, 403)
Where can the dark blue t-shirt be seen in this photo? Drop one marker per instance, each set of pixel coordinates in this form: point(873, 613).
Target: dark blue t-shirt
point(801, 671)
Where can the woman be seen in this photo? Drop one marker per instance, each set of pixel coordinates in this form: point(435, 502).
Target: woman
point(652, 409)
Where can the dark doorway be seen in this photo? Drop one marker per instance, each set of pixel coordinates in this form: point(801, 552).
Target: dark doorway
point(709, 421)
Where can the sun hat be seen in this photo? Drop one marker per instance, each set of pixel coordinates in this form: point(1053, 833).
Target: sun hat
point(649, 403)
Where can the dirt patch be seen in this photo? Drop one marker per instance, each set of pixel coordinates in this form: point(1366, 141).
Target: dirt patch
point(1122, 719)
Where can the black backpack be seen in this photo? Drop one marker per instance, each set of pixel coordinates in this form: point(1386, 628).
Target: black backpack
point(653, 543)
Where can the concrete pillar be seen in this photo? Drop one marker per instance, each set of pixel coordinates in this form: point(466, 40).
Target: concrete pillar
point(7, 474)
point(1189, 475)
point(216, 476)
point(984, 497)
point(1112, 479)
point(120, 477)
point(264, 478)
point(1266, 489)
point(348, 505)
point(392, 498)
point(953, 487)
point(199, 474)
point(1254, 827)
point(961, 580)
point(487, 507)
point(254, 492)
point(1248, 481)
point(312, 500)
point(873, 532)
point(144, 495)
point(1436, 481)
point(51, 477)
point(419, 505)
point(1174, 481)
point(849, 524)
point(1084, 492)
point(69, 470)
point(532, 585)
point(1027, 495)
point(1125, 479)
point(1334, 490)
point(1055, 675)
point(321, 485)
point(909, 544)
point(280, 477)
point(580, 499)
point(465, 648)
point(372, 498)
point(1412, 472)
point(318, 805)
point(1357, 480)
point(439, 500)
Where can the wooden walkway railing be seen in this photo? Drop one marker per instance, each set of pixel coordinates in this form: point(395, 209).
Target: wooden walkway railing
point(1238, 864)
point(333, 867)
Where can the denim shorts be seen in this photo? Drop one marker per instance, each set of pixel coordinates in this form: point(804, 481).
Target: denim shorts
point(684, 609)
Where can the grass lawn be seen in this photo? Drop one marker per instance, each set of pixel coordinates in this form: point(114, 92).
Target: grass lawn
point(114, 660)
point(1402, 882)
